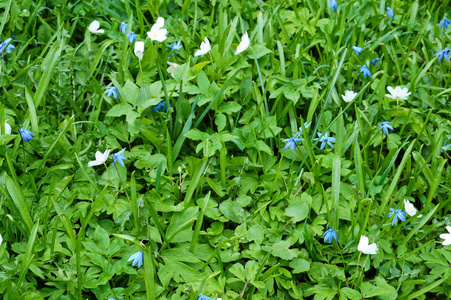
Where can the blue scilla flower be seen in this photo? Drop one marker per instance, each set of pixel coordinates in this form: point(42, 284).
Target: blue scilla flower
point(375, 61)
point(111, 91)
point(357, 50)
point(333, 4)
point(329, 235)
point(131, 37)
point(117, 157)
point(202, 297)
point(111, 299)
point(160, 106)
point(385, 127)
point(137, 258)
point(291, 143)
point(444, 23)
point(306, 125)
point(398, 214)
point(325, 139)
point(446, 147)
point(365, 71)
point(177, 46)
point(27, 135)
point(390, 13)
point(123, 27)
point(7, 46)
point(443, 54)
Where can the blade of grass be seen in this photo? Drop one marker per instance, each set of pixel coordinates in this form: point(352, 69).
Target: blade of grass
point(199, 221)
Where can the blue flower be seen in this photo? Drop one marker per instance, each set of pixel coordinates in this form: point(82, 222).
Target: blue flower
point(111, 91)
point(131, 37)
point(357, 50)
point(325, 139)
point(291, 143)
point(306, 125)
point(111, 299)
point(27, 135)
point(443, 54)
point(365, 71)
point(446, 147)
point(123, 27)
point(202, 297)
point(177, 46)
point(137, 259)
point(375, 61)
point(385, 127)
point(333, 4)
point(6, 46)
point(160, 106)
point(398, 214)
point(329, 235)
point(390, 13)
point(445, 22)
point(117, 157)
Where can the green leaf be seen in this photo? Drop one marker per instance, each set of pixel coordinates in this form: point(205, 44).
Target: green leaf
point(298, 211)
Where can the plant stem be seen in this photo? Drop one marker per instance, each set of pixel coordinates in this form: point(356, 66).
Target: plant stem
point(357, 268)
point(122, 182)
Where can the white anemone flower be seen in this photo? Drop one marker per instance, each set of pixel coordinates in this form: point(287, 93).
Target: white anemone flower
point(139, 50)
point(94, 27)
point(244, 44)
point(157, 33)
point(398, 93)
point(409, 208)
point(172, 67)
point(349, 96)
point(100, 158)
point(7, 128)
point(204, 48)
point(446, 237)
point(365, 248)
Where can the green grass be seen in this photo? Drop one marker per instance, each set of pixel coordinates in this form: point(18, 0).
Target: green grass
point(208, 193)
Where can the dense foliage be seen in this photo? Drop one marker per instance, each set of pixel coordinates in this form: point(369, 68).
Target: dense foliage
point(142, 157)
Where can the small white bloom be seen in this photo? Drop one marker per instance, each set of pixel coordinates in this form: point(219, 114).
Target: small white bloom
point(1, 239)
point(349, 96)
point(172, 67)
point(365, 248)
point(7, 128)
point(244, 44)
point(100, 158)
point(446, 237)
point(397, 93)
point(139, 50)
point(156, 33)
point(94, 27)
point(409, 208)
point(204, 48)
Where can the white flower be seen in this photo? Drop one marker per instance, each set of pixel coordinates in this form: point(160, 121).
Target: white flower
point(172, 67)
point(244, 44)
point(1, 239)
point(446, 237)
point(365, 248)
point(156, 33)
point(348, 96)
point(7, 128)
point(94, 27)
point(139, 50)
point(100, 158)
point(204, 48)
point(397, 93)
point(409, 208)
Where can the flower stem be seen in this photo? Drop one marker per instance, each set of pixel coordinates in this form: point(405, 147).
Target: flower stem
point(115, 166)
point(141, 70)
point(23, 147)
point(356, 270)
point(108, 173)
